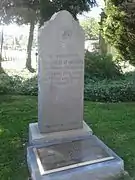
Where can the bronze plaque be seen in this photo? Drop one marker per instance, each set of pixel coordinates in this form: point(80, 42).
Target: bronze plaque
point(69, 155)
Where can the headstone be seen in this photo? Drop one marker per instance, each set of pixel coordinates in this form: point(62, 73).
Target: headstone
point(61, 74)
point(61, 144)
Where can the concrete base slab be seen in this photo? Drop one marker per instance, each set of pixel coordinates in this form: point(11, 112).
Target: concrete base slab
point(37, 138)
point(88, 159)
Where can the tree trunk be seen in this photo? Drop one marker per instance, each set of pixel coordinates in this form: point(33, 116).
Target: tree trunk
point(1, 69)
point(29, 47)
point(1, 49)
point(103, 46)
point(0, 65)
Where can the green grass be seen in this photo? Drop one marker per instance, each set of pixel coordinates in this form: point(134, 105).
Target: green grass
point(16, 112)
point(113, 123)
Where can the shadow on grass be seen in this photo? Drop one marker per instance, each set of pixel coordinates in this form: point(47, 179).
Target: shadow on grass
point(6, 99)
point(6, 87)
point(16, 112)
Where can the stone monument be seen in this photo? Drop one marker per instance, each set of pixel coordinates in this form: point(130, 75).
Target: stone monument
point(61, 144)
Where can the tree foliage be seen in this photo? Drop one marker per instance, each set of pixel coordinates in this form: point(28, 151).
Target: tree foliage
point(118, 28)
point(27, 12)
point(18, 11)
point(91, 28)
point(48, 8)
point(22, 12)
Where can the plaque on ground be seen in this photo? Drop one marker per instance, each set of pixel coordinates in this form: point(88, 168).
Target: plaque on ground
point(68, 155)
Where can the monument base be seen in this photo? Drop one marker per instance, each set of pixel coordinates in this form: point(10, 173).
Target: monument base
point(87, 159)
point(37, 138)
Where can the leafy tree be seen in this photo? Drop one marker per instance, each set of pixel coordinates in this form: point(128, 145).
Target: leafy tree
point(14, 13)
point(23, 12)
point(102, 42)
point(91, 28)
point(118, 28)
point(49, 7)
point(30, 16)
point(2, 14)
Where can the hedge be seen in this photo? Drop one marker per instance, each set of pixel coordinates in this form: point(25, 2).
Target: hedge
point(122, 90)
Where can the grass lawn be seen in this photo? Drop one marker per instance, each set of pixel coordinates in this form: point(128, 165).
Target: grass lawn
point(113, 123)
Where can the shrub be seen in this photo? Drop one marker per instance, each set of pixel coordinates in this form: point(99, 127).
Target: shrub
point(18, 85)
point(9, 84)
point(101, 66)
point(30, 87)
point(110, 91)
point(106, 90)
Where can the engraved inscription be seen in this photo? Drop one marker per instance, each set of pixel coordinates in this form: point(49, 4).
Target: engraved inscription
point(58, 125)
point(63, 69)
point(70, 153)
point(66, 34)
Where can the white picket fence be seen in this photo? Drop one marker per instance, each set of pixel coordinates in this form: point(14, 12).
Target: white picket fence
point(16, 59)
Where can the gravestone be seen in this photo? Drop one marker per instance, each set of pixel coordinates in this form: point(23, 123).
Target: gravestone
point(61, 144)
point(60, 81)
point(61, 75)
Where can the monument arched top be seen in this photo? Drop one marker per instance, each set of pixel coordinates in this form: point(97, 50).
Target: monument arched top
point(62, 17)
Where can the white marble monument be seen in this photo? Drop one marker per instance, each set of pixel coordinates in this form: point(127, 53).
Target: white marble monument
point(61, 74)
point(61, 144)
point(60, 80)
